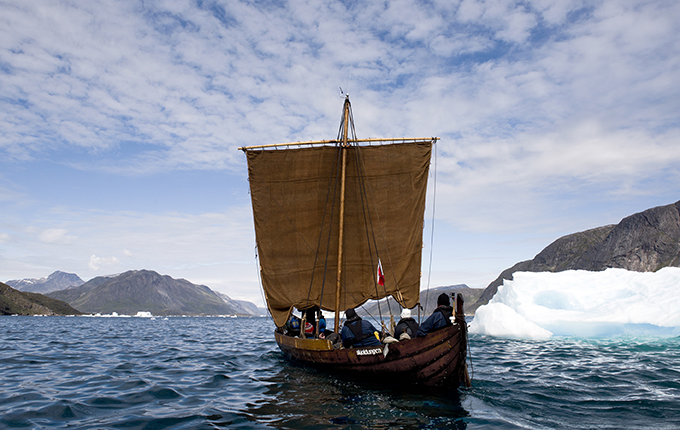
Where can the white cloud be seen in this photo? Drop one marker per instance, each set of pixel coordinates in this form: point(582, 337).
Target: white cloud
point(94, 75)
point(58, 236)
point(95, 263)
point(491, 186)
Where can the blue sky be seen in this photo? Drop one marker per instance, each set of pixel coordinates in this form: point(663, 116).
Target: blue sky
point(120, 123)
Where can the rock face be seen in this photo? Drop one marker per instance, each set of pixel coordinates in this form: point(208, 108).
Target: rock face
point(145, 290)
point(15, 302)
point(643, 242)
point(56, 281)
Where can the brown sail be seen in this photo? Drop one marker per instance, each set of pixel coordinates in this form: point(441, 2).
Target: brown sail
point(295, 196)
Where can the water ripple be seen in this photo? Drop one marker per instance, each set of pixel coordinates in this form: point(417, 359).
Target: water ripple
point(208, 373)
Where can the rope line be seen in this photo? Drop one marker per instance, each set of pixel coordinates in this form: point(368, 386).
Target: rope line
point(434, 204)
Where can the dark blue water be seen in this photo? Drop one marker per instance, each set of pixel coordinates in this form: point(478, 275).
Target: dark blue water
point(208, 373)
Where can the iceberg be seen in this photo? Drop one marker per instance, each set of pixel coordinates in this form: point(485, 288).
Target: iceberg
point(579, 303)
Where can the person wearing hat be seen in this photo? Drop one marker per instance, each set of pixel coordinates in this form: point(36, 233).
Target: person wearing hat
point(357, 332)
point(407, 327)
point(440, 318)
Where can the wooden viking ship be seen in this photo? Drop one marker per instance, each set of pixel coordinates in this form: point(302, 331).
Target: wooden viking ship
point(340, 222)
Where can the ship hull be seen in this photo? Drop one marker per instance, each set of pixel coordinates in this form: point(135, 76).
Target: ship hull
point(437, 359)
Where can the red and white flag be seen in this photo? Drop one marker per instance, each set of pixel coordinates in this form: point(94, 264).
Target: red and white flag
point(381, 276)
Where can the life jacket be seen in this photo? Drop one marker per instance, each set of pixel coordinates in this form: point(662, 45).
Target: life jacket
point(447, 312)
point(294, 323)
point(357, 330)
point(406, 325)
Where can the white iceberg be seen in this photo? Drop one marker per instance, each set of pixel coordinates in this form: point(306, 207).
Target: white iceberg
point(143, 314)
point(581, 303)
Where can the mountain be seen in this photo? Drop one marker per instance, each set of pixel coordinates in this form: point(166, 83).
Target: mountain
point(56, 281)
point(643, 242)
point(240, 306)
point(15, 302)
point(146, 290)
point(427, 298)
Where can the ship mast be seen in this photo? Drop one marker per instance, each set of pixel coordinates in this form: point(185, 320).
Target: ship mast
point(343, 148)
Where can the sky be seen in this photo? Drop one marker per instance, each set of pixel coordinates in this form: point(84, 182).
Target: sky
point(120, 123)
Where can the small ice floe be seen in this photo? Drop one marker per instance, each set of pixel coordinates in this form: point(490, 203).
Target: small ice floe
point(111, 315)
point(144, 314)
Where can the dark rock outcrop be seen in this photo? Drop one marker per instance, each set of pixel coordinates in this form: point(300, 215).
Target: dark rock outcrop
point(643, 242)
point(15, 302)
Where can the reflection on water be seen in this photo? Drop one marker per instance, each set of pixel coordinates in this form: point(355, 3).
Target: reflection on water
point(299, 397)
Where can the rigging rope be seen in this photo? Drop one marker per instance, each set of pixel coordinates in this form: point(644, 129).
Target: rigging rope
point(472, 369)
point(259, 280)
point(316, 254)
point(434, 201)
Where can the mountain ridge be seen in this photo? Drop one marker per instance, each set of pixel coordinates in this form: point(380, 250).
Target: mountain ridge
point(643, 242)
point(147, 290)
point(56, 281)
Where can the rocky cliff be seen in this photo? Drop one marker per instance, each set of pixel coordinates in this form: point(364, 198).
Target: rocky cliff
point(643, 242)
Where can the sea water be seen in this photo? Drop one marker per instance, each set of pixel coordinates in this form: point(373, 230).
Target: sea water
point(209, 373)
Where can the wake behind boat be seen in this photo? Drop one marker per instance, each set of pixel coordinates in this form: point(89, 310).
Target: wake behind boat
point(340, 222)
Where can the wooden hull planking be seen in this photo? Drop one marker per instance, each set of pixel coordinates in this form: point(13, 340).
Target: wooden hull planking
point(436, 359)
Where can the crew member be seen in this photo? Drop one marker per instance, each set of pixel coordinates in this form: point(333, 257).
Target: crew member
point(292, 327)
point(440, 318)
point(407, 327)
point(310, 318)
point(357, 332)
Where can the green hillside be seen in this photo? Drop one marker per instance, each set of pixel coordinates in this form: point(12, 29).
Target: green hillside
point(14, 302)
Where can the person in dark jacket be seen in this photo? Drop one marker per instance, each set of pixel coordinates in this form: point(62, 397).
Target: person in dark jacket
point(292, 327)
point(407, 327)
point(357, 332)
point(440, 318)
